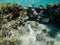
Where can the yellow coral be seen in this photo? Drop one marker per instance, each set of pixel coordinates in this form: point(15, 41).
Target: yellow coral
point(2, 41)
point(0, 32)
point(1, 5)
point(13, 39)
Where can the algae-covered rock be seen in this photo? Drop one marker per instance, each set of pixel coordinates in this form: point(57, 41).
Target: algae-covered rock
point(22, 31)
point(34, 24)
point(50, 42)
point(39, 37)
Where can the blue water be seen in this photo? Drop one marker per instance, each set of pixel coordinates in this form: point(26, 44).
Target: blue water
point(28, 2)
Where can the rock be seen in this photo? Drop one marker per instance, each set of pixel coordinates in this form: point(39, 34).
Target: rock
point(45, 20)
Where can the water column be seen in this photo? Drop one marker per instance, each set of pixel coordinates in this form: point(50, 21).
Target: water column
point(28, 2)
